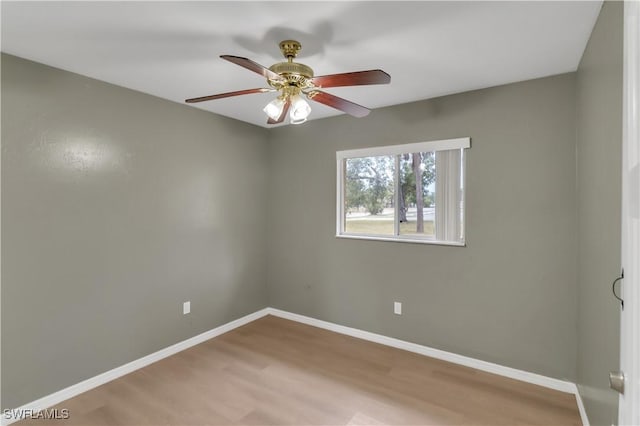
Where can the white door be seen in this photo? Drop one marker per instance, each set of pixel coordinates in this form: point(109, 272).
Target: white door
point(629, 407)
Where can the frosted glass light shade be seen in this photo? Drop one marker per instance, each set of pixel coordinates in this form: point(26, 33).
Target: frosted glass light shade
point(300, 110)
point(274, 108)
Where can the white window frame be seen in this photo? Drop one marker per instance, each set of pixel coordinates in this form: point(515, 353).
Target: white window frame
point(395, 150)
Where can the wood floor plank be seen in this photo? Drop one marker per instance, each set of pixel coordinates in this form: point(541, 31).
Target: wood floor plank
point(278, 372)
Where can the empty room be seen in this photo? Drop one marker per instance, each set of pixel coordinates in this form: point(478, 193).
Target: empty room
point(320, 213)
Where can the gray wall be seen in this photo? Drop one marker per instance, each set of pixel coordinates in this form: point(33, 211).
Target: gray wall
point(599, 124)
point(509, 296)
point(116, 208)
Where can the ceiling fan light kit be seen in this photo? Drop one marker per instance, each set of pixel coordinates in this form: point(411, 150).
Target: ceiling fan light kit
point(292, 80)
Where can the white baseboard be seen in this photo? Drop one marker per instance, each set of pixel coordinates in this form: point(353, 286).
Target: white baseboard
point(14, 415)
point(57, 397)
point(525, 376)
point(581, 409)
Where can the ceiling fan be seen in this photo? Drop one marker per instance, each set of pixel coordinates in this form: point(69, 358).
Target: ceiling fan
point(293, 79)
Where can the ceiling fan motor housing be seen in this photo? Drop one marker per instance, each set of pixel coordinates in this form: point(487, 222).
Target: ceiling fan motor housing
point(294, 74)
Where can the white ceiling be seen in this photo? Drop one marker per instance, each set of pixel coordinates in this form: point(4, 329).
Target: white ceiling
point(171, 49)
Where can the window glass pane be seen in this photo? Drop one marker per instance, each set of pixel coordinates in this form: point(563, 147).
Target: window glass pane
point(412, 192)
point(369, 195)
point(416, 209)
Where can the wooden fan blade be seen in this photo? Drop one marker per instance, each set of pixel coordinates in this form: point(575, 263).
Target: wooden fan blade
point(228, 95)
point(252, 66)
point(357, 78)
point(338, 103)
point(285, 110)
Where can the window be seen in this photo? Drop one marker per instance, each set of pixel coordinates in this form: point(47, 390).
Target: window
point(412, 192)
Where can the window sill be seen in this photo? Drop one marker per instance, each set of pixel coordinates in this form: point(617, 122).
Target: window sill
point(401, 240)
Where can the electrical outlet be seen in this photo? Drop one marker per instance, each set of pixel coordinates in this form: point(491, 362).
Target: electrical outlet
point(186, 307)
point(397, 308)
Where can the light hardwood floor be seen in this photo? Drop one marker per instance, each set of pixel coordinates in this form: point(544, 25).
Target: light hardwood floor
point(278, 372)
